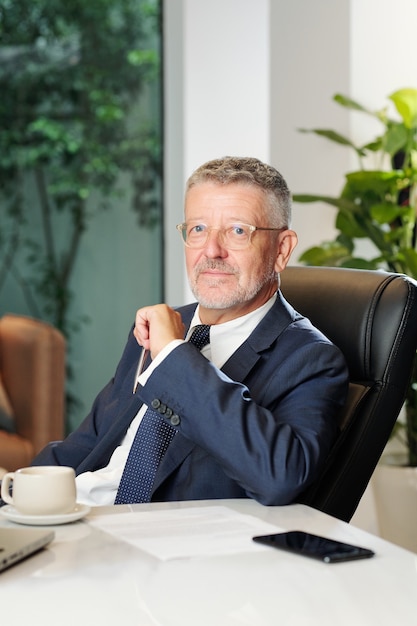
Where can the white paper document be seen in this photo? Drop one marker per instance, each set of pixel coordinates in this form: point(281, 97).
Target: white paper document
point(186, 532)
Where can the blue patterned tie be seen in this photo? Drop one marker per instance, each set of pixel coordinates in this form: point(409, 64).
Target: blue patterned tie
point(150, 444)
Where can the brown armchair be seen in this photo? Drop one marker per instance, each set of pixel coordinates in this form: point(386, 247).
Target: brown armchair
point(32, 383)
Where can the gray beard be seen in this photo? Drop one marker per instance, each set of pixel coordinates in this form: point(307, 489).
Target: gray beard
point(238, 296)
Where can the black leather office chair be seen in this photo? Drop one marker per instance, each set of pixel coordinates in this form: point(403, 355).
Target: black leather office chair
point(372, 317)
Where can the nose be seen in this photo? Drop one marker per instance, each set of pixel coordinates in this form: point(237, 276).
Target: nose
point(214, 247)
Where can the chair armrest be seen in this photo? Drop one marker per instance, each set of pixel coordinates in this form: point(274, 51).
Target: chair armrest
point(32, 361)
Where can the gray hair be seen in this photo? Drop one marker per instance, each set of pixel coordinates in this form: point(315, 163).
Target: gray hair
point(249, 171)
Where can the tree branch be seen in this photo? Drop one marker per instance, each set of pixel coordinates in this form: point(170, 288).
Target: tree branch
point(46, 215)
point(30, 301)
point(12, 247)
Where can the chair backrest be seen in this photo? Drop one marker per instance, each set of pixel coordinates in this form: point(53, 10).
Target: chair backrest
point(372, 317)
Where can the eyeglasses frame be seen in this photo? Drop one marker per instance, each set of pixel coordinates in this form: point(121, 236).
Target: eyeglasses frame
point(180, 228)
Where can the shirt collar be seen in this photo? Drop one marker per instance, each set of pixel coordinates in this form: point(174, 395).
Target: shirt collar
point(226, 338)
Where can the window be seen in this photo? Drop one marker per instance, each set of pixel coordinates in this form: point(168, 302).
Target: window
point(81, 173)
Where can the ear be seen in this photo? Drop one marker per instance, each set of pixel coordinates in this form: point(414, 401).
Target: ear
point(287, 240)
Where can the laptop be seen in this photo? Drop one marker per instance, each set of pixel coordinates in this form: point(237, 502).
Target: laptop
point(18, 543)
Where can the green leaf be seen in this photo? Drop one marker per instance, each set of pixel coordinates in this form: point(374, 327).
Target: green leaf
point(359, 264)
point(373, 146)
point(109, 113)
point(346, 242)
point(410, 257)
point(328, 254)
point(370, 177)
point(333, 136)
point(143, 57)
point(395, 139)
point(348, 225)
point(405, 101)
point(340, 203)
point(350, 104)
point(376, 181)
point(385, 213)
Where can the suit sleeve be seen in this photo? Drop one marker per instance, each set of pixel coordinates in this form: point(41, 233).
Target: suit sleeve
point(271, 432)
point(90, 446)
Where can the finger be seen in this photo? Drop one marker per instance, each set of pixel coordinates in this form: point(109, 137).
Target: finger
point(141, 330)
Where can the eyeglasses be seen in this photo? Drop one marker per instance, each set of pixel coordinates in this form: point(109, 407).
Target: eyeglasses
point(232, 236)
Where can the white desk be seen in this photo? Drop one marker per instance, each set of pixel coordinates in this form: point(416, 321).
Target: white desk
point(88, 577)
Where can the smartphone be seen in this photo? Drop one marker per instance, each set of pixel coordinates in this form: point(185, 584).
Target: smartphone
point(327, 550)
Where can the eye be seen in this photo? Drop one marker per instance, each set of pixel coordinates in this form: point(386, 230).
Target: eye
point(197, 229)
point(238, 230)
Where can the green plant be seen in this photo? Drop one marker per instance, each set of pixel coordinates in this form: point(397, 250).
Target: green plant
point(75, 131)
point(378, 202)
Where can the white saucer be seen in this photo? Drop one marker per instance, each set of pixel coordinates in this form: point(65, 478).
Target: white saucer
point(13, 515)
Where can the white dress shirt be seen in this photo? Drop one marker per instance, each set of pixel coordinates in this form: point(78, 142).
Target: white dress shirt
point(99, 488)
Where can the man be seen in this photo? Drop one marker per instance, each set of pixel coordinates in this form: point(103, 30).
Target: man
point(253, 414)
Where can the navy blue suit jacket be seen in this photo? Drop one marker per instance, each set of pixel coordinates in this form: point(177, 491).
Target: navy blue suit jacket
point(260, 427)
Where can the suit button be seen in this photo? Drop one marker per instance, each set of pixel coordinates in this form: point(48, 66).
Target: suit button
point(175, 419)
point(162, 409)
point(169, 412)
point(156, 403)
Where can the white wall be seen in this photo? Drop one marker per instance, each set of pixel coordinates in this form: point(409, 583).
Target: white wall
point(382, 49)
point(309, 64)
point(226, 87)
point(222, 98)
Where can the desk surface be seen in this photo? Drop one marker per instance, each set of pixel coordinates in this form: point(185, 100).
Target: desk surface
point(87, 576)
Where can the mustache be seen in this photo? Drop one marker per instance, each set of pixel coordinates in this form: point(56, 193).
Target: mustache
point(215, 264)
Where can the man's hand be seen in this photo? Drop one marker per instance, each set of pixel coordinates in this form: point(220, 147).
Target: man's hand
point(156, 326)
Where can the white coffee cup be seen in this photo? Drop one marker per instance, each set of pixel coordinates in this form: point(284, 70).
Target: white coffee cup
point(40, 490)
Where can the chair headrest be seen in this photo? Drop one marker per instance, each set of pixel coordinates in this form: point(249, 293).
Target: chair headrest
point(360, 311)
